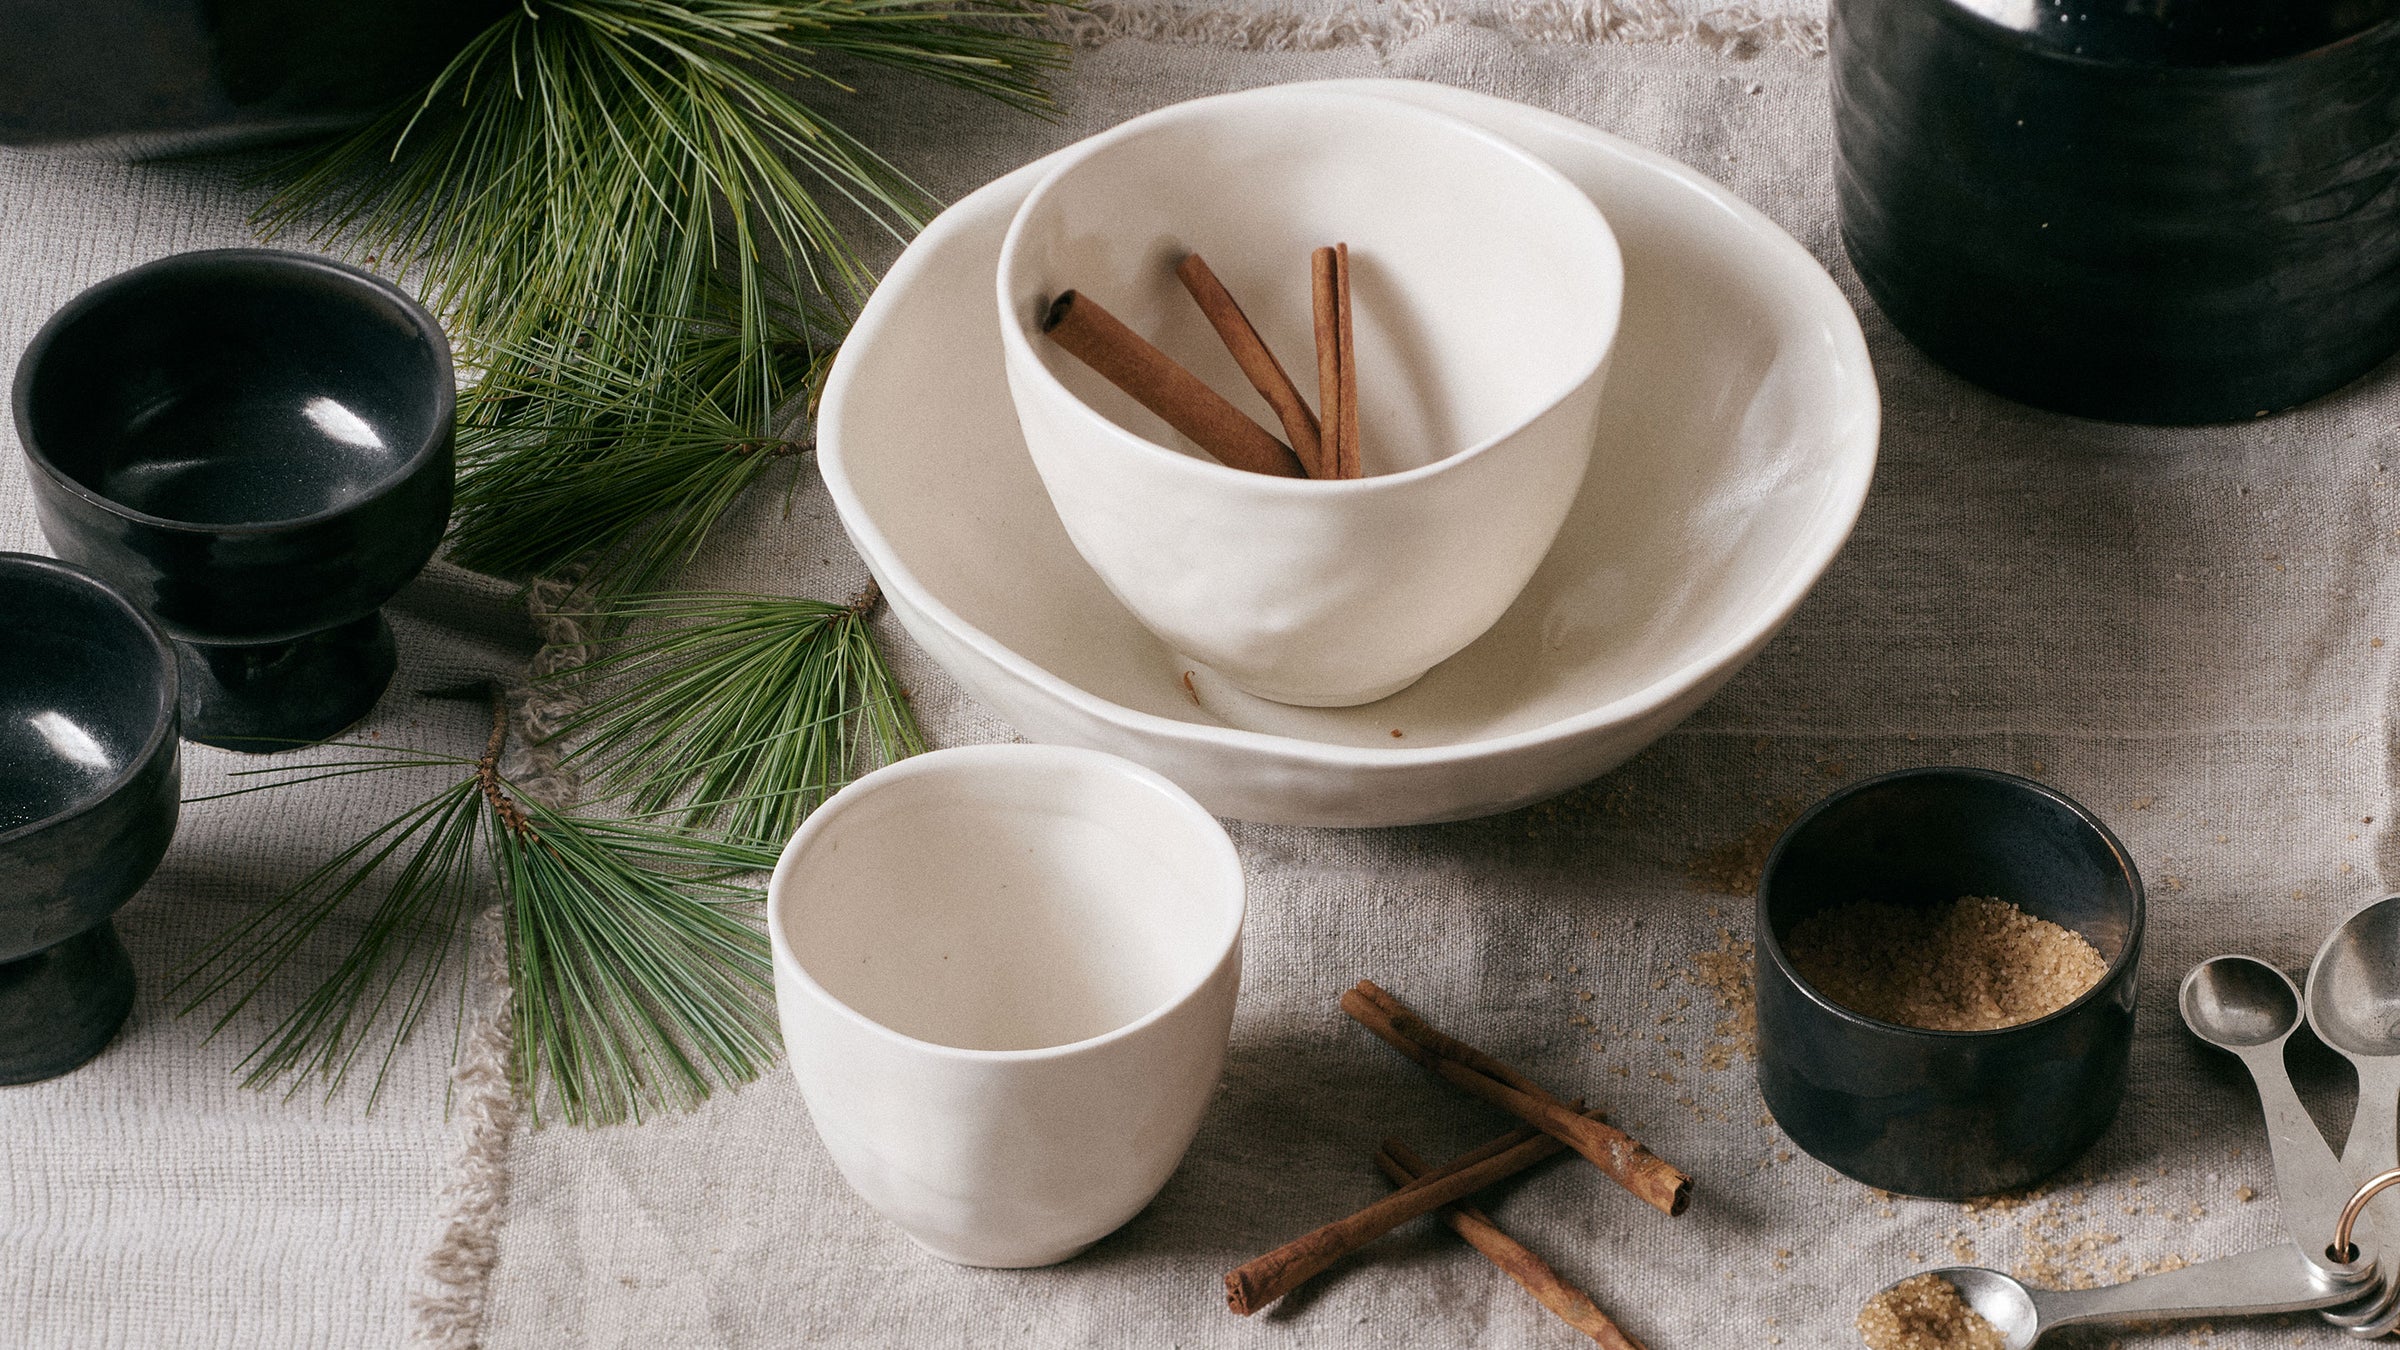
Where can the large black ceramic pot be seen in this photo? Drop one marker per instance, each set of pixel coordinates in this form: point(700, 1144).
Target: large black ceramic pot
point(135, 77)
point(2178, 211)
point(255, 447)
point(90, 783)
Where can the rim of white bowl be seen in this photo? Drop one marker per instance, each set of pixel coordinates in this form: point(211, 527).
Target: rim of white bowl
point(1227, 864)
point(877, 549)
point(1056, 167)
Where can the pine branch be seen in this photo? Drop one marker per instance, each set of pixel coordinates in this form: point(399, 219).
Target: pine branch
point(639, 967)
point(738, 712)
point(634, 225)
point(566, 457)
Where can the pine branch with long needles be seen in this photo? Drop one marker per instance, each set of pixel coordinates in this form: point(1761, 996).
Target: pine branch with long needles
point(567, 457)
point(738, 712)
point(639, 971)
point(593, 164)
point(636, 226)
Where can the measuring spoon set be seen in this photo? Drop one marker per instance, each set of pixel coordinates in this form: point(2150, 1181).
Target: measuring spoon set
point(2334, 1259)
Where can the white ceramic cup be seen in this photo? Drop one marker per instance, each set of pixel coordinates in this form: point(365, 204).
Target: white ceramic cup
point(1487, 289)
point(1006, 974)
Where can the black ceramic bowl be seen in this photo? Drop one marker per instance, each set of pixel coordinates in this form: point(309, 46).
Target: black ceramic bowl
point(1948, 1114)
point(2176, 211)
point(89, 786)
point(255, 446)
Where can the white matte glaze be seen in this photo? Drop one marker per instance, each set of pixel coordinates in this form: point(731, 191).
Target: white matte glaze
point(1737, 441)
point(1005, 975)
point(1487, 292)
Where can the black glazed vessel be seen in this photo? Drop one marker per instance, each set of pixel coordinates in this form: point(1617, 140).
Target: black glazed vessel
point(90, 783)
point(2180, 211)
point(1947, 1114)
point(255, 446)
point(175, 76)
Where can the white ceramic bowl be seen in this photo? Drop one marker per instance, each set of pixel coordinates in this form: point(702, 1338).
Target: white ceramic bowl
point(1487, 292)
point(1005, 975)
point(1736, 445)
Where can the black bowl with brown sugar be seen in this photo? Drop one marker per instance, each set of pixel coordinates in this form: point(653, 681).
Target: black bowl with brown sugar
point(1946, 980)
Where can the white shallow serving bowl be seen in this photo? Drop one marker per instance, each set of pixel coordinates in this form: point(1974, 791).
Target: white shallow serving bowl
point(1488, 294)
point(1737, 439)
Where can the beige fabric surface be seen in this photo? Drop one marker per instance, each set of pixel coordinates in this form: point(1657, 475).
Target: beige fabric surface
point(2185, 629)
point(147, 1200)
point(2178, 627)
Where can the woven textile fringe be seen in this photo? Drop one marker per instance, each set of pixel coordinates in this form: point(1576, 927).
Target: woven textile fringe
point(448, 1312)
point(1738, 30)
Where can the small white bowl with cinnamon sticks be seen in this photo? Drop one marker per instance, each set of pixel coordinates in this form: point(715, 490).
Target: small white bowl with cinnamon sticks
point(1310, 378)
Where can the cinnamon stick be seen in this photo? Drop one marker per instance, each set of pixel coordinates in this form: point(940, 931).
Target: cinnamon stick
point(1423, 1033)
point(1257, 360)
point(1515, 1260)
point(1345, 460)
point(1325, 299)
point(1153, 379)
point(1265, 1279)
point(1649, 1178)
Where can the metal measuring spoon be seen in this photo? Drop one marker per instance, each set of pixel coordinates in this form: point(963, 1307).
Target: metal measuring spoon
point(2270, 1280)
point(2250, 1009)
point(2354, 1006)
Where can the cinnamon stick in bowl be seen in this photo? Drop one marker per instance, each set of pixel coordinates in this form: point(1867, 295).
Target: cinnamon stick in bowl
point(1155, 380)
point(1257, 360)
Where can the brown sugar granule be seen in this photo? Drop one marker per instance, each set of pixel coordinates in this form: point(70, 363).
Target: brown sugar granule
point(1725, 973)
point(1977, 964)
point(1924, 1312)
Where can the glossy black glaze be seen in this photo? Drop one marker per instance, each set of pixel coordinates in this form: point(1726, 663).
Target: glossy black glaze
point(255, 446)
point(163, 76)
point(1935, 1113)
point(60, 1006)
point(2179, 212)
point(90, 784)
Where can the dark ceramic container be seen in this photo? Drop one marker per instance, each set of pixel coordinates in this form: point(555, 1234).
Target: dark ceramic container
point(1948, 1114)
point(255, 446)
point(167, 76)
point(2178, 211)
point(89, 787)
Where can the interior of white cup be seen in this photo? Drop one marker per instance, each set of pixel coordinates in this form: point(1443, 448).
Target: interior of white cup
point(1485, 286)
point(1009, 897)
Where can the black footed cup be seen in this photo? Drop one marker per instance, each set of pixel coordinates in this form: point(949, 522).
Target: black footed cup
point(2173, 211)
point(255, 447)
point(1947, 1114)
point(90, 781)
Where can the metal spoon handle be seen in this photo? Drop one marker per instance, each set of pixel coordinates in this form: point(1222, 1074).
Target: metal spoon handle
point(2374, 1142)
point(2269, 1280)
point(2310, 1184)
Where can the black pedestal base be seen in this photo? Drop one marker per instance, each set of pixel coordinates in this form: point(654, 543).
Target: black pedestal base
point(284, 695)
point(59, 1007)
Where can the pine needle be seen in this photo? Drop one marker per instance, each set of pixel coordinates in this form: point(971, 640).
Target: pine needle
point(566, 457)
point(738, 712)
point(639, 967)
point(637, 230)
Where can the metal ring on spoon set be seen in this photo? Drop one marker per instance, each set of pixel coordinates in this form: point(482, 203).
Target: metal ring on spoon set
point(2380, 1315)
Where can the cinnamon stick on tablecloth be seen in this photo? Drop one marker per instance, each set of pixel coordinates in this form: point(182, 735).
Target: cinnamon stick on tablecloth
point(1325, 303)
point(1258, 363)
point(1153, 379)
point(1259, 1282)
point(1650, 1178)
point(1515, 1260)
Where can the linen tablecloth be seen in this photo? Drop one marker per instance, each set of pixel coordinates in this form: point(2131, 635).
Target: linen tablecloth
point(2191, 631)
